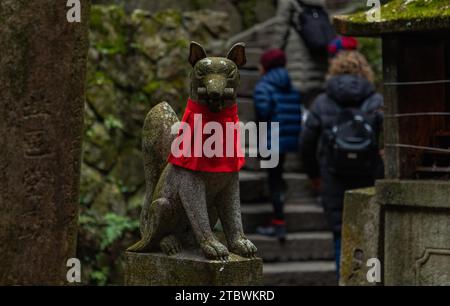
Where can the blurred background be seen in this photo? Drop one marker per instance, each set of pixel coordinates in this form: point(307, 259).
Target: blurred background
point(138, 58)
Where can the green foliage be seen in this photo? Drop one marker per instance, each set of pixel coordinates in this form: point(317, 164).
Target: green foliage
point(106, 233)
point(371, 48)
point(112, 122)
point(98, 78)
point(100, 277)
point(247, 11)
point(114, 227)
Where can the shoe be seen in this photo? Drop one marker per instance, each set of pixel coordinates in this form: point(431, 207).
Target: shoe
point(280, 229)
point(267, 230)
point(276, 228)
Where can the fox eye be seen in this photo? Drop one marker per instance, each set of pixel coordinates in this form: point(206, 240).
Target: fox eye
point(199, 74)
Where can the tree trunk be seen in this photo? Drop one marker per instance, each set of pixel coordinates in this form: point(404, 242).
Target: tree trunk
point(42, 83)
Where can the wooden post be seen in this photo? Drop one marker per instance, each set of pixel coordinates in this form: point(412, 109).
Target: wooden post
point(42, 80)
point(390, 72)
point(412, 59)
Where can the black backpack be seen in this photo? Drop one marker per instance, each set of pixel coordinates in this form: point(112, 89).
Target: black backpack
point(314, 27)
point(352, 146)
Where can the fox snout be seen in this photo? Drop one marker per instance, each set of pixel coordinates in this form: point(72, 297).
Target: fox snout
point(215, 88)
point(215, 93)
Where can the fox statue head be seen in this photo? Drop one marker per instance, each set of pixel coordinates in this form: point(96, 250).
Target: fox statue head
point(215, 80)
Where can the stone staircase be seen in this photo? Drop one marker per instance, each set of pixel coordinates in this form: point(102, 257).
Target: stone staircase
point(306, 258)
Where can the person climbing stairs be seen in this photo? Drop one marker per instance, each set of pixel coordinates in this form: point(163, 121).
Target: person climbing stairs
point(307, 255)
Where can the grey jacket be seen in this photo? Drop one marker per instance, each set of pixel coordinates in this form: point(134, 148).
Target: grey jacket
point(307, 70)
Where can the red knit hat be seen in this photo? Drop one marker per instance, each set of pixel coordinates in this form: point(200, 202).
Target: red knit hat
point(342, 43)
point(273, 58)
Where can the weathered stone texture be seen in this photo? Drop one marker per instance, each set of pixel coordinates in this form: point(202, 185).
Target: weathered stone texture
point(42, 81)
point(360, 236)
point(190, 269)
point(416, 247)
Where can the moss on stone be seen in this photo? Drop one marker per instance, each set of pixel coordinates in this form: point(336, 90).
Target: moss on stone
point(136, 60)
point(189, 268)
point(247, 11)
point(404, 9)
point(110, 35)
point(169, 18)
point(398, 16)
point(360, 235)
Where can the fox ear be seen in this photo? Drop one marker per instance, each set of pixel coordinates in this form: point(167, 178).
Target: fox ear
point(237, 54)
point(196, 53)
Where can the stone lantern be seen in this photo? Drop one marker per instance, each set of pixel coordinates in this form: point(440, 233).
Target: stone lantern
point(405, 221)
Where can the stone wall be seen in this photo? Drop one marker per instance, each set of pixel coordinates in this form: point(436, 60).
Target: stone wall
point(242, 13)
point(136, 60)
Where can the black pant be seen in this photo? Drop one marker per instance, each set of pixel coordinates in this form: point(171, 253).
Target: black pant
point(333, 193)
point(276, 188)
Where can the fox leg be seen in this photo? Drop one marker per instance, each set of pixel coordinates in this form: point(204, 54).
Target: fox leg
point(192, 192)
point(228, 207)
point(170, 245)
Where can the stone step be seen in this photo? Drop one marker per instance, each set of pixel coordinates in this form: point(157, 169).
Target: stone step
point(249, 78)
point(312, 273)
point(254, 186)
point(299, 217)
point(297, 247)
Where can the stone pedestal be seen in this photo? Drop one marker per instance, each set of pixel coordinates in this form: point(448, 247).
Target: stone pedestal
point(190, 269)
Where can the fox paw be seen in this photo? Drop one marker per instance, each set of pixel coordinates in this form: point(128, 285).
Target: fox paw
point(215, 250)
point(243, 247)
point(170, 245)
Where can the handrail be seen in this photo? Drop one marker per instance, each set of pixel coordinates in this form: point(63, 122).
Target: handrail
point(255, 29)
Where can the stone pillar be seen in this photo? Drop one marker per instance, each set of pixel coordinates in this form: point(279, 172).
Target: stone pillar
point(42, 79)
point(361, 236)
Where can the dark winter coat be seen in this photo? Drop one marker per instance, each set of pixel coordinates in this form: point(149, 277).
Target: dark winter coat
point(307, 70)
point(341, 92)
point(277, 101)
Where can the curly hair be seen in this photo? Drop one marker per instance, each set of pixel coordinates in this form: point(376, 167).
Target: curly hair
point(351, 62)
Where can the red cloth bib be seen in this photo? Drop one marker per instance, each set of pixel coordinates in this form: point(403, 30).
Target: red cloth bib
point(194, 138)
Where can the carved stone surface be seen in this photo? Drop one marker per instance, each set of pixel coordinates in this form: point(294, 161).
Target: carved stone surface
point(190, 269)
point(42, 79)
point(417, 231)
point(426, 265)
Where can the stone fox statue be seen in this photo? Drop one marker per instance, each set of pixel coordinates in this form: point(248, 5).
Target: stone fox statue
point(182, 205)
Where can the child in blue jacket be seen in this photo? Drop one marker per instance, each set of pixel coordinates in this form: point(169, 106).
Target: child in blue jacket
point(276, 100)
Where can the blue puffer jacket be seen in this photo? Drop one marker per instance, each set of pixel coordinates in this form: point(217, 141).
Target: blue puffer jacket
point(277, 101)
